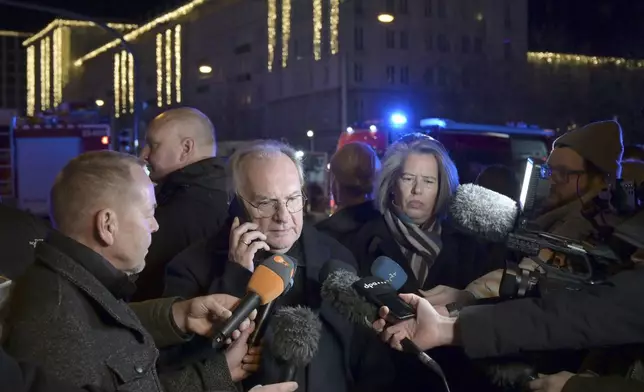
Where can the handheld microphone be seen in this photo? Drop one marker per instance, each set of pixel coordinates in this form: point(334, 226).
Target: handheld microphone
point(296, 334)
point(387, 269)
point(339, 290)
point(483, 213)
point(261, 323)
point(268, 282)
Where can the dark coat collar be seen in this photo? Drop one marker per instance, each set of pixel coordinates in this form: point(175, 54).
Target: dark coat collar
point(208, 174)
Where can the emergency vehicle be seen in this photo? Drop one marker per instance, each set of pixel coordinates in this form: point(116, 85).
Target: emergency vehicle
point(33, 150)
point(471, 146)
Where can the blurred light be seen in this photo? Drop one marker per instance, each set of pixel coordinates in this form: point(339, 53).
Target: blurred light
point(136, 143)
point(373, 128)
point(349, 130)
point(299, 154)
point(433, 122)
point(398, 119)
point(99, 102)
point(205, 69)
point(328, 166)
point(310, 134)
point(105, 140)
point(385, 18)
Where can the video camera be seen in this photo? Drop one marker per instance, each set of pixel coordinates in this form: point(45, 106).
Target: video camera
point(571, 264)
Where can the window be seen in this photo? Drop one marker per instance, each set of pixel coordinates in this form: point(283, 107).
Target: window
point(404, 40)
point(357, 7)
point(466, 43)
point(443, 77)
point(391, 74)
point(466, 78)
point(390, 37)
point(245, 48)
point(478, 45)
point(358, 105)
point(296, 49)
point(204, 88)
point(442, 9)
point(429, 8)
point(428, 76)
point(358, 38)
point(507, 50)
point(357, 72)
point(403, 7)
point(429, 42)
point(389, 6)
point(507, 15)
point(443, 44)
point(404, 75)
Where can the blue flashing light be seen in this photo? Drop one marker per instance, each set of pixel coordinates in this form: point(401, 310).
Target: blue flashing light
point(398, 119)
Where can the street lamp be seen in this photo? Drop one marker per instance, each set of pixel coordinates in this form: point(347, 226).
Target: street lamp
point(99, 102)
point(205, 69)
point(310, 134)
point(385, 18)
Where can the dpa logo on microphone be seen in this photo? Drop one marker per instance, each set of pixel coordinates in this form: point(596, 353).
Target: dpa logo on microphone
point(374, 284)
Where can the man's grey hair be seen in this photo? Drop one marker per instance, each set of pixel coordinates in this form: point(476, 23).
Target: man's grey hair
point(258, 149)
point(394, 160)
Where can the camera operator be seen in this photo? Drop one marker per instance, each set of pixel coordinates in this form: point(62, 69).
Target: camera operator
point(607, 315)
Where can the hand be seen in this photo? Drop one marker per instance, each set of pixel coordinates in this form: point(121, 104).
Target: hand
point(551, 383)
point(240, 362)
point(198, 314)
point(281, 387)
point(428, 329)
point(245, 241)
point(444, 295)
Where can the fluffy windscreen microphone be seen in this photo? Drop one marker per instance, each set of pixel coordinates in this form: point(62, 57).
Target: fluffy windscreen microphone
point(296, 334)
point(337, 290)
point(509, 375)
point(483, 213)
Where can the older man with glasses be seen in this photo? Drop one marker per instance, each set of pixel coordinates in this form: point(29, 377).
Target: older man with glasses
point(266, 185)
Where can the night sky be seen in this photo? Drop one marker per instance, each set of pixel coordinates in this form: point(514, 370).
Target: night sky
point(598, 27)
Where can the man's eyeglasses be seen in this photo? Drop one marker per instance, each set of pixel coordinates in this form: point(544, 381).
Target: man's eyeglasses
point(268, 208)
point(559, 175)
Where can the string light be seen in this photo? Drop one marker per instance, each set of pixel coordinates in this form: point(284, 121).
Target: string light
point(334, 26)
point(168, 66)
point(18, 34)
point(317, 29)
point(130, 81)
point(117, 85)
point(58, 67)
point(165, 18)
point(177, 62)
point(286, 30)
point(31, 80)
point(123, 82)
point(577, 59)
point(73, 23)
point(272, 32)
point(159, 59)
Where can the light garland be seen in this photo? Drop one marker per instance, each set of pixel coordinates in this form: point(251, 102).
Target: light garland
point(177, 62)
point(317, 29)
point(117, 85)
point(159, 63)
point(123, 82)
point(334, 25)
point(168, 66)
point(31, 80)
point(577, 59)
point(286, 30)
point(271, 22)
point(17, 34)
point(165, 18)
point(73, 23)
point(45, 75)
point(58, 66)
point(130, 81)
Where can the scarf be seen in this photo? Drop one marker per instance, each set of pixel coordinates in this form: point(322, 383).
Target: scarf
point(420, 246)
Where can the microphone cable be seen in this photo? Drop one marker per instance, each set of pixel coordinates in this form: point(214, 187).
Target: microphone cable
point(411, 347)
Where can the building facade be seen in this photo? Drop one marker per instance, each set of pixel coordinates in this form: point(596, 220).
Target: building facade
point(12, 70)
point(279, 68)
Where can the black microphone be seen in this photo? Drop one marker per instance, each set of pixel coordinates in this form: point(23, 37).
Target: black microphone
point(268, 282)
point(262, 320)
point(296, 334)
point(483, 213)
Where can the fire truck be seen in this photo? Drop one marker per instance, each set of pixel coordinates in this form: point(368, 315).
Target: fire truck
point(33, 150)
point(471, 146)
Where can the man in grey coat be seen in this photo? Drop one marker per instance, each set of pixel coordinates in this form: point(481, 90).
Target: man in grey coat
point(68, 312)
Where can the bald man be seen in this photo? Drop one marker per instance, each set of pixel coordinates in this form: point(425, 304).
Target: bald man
point(354, 168)
point(180, 151)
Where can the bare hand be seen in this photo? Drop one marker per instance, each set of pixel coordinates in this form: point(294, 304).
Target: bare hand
point(551, 383)
point(197, 315)
point(444, 295)
point(235, 355)
point(245, 241)
point(281, 387)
